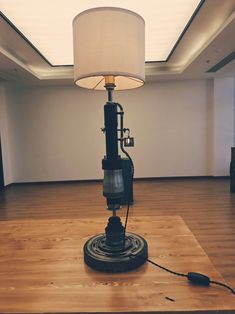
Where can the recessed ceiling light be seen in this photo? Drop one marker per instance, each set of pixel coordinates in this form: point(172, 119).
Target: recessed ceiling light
point(48, 27)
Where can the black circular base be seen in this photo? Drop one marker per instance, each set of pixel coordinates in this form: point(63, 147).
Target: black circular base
point(99, 256)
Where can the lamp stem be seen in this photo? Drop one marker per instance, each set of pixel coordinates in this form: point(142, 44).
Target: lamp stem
point(110, 87)
point(110, 94)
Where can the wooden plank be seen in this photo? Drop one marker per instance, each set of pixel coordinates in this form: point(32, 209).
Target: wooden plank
point(42, 270)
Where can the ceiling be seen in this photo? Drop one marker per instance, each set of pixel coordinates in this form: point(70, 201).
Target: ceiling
point(51, 33)
point(184, 38)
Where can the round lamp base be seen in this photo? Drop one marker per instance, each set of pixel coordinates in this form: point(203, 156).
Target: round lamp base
point(99, 256)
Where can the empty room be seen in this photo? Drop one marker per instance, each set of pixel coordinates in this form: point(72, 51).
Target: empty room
point(117, 156)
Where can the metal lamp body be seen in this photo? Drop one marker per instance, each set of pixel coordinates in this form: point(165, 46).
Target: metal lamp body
point(114, 251)
point(109, 52)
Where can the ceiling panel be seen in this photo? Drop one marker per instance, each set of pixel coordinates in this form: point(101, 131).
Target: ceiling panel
point(48, 24)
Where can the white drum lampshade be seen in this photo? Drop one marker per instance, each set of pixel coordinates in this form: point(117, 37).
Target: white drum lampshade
point(109, 42)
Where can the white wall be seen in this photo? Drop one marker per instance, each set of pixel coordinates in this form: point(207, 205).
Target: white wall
point(4, 132)
point(56, 134)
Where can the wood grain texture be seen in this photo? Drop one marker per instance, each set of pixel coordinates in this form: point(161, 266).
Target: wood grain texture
point(42, 270)
point(206, 205)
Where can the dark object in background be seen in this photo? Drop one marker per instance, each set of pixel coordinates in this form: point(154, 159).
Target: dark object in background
point(1, 169)
point(127, 178)
point(232, 170)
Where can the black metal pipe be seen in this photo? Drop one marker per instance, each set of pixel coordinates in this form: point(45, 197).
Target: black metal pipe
point(110, 87)
point(110, 94)
point(111, 125)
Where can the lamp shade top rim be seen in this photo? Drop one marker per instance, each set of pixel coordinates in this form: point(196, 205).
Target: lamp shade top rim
point(108, 8)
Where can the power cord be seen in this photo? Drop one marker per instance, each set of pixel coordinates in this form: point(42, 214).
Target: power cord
point(193, 277)
point(196, 278)
point(129, 192)
point(132, 172)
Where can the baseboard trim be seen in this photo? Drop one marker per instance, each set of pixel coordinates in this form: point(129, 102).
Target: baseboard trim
point(183, 178)
point(57, 182)
point(100, 180)
point(8, 186)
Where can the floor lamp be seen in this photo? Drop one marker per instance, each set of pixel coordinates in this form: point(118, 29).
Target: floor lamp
point(109, 53)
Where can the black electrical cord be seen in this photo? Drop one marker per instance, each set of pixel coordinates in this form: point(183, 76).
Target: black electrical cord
point(132, 172)
point(222, 285)
point(129, 192)
point(166, 269)
point(193, 277)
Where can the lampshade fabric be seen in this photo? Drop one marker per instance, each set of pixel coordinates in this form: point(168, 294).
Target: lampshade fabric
point(109, 42)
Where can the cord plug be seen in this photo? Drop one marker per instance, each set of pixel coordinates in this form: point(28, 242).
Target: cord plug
point(199, 279)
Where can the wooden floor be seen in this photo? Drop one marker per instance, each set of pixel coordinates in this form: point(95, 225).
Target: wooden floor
point(206, 205)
